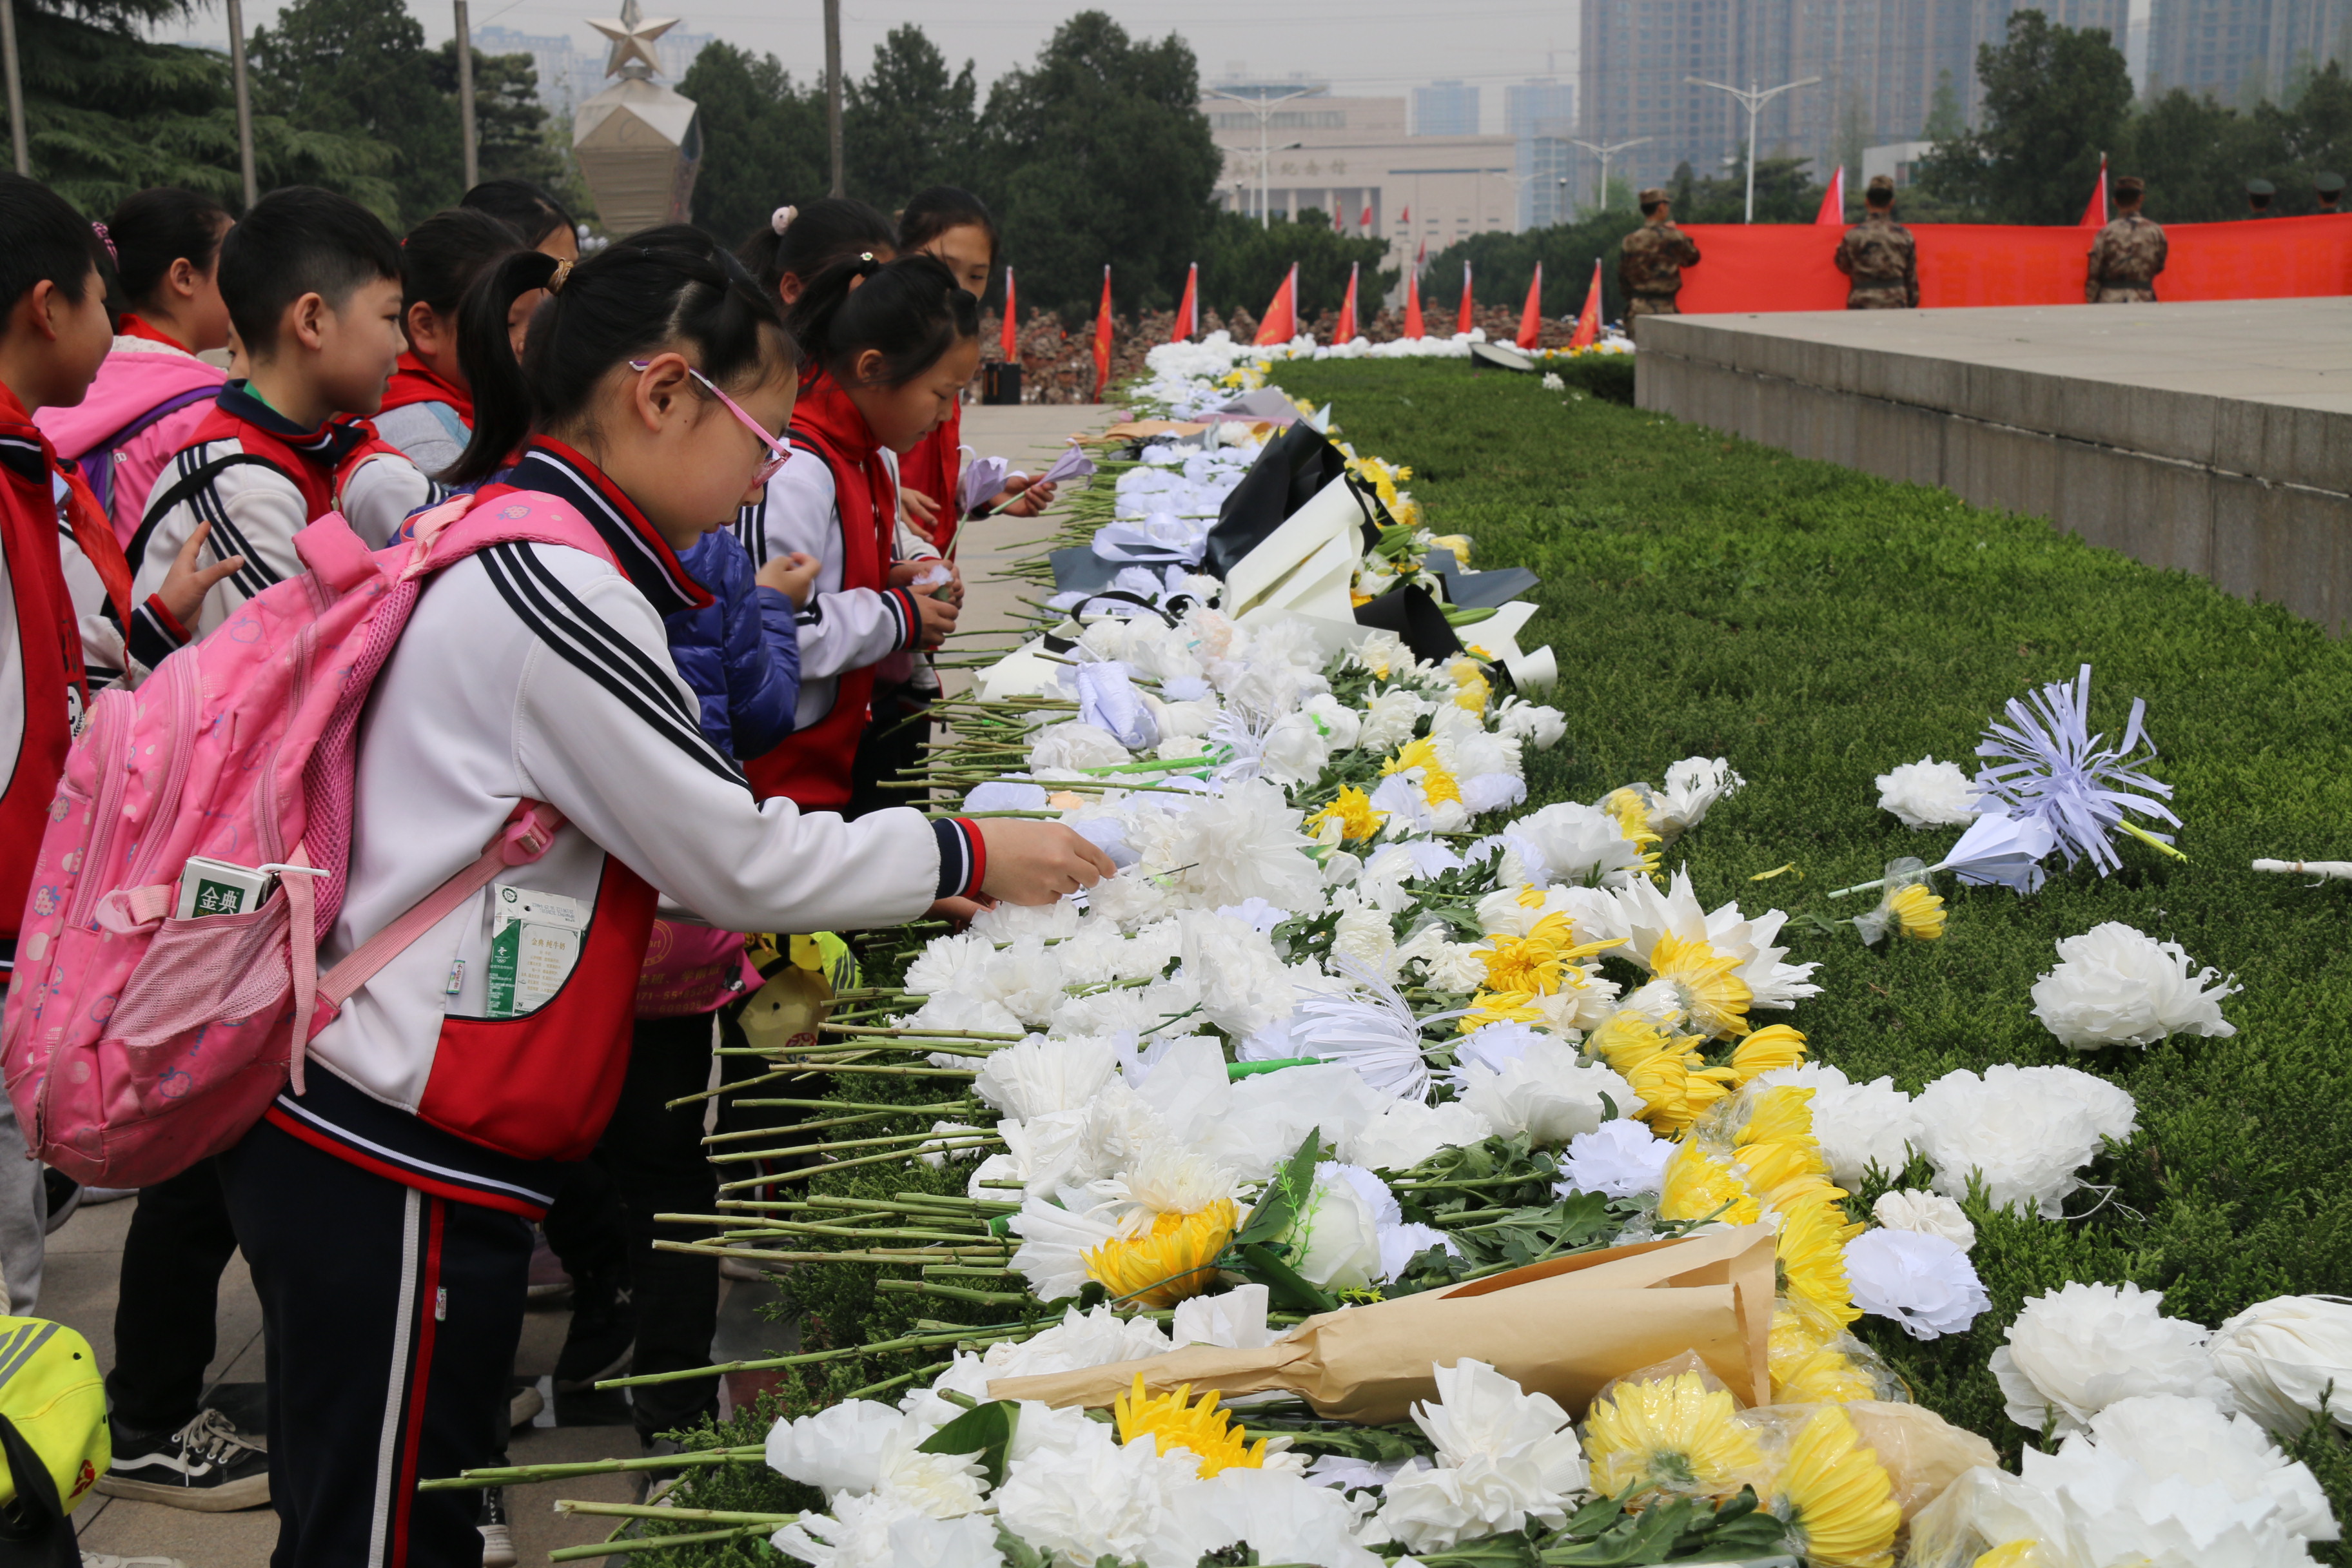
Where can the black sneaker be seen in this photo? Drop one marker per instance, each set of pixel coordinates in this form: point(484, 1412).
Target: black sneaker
point(497, 1539)
point(203, 1466)
point(603, 1332)
point(64, 1194)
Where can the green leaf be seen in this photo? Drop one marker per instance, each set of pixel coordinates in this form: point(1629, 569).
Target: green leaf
point(1290, 1290)
point(985, 1429)
point(1279, 1204)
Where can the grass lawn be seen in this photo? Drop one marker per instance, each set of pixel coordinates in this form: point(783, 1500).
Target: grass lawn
point(1817, 626)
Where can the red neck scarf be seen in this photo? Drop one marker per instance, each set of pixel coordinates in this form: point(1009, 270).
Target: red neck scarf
point(134, 325)
point(416, 382)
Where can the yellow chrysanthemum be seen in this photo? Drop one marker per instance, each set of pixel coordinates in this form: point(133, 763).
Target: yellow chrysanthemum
point(1530, 896)
point(1471, 688)
point(1500, 1007)
point(1436, 783)
point(1673, 1097)
point(1672, 1435)
point(1713, 996)
point(1783, 1114)
point(1806, 1368)
point(1768, 1050)
point(1170, 1423)
point(1170, 1261)
point(1523, 963)
point(1457, 543)
point(1808, 1189)
point(1631, 808)
point(2009, 1554)
point(1626, 1039)
point(1836, 1497)
point(1776, 1165)
point(1700, 1186)
point(1918, 912)
point(1809, 1251)
point(1353, 811)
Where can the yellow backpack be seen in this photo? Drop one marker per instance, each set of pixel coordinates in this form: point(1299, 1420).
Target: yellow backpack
point(52, 1394)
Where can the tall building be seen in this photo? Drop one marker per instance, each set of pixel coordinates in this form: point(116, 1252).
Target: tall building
point(1540, 114)
point(2243, 50)
point(1540, 107)
point(1879, 61)
point(1445, 108)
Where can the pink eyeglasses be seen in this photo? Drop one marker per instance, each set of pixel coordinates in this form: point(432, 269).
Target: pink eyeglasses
point(781, 454)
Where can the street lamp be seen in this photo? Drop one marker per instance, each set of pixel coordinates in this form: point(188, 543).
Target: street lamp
point(1752, 100)
point(1604, 154)
point(1263, 108)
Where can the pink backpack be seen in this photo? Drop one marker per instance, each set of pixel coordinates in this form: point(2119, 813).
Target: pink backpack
point(135, 1043)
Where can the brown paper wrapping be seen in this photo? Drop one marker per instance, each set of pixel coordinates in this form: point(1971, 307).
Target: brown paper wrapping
point(1562, 1327)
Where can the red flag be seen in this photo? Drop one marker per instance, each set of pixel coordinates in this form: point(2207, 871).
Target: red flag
point(1834, 200)
point(1345, 332)
point(1412, 327)
point(1187, 312)
point(1339, 223)
point(1407, 218)
point(2095, 215)
point(1367, 225)
point(1464, 323)
point(1102, 338)
point(1587, 322)
point(1531, 314)
point(1010, 344)
point(1281, 324)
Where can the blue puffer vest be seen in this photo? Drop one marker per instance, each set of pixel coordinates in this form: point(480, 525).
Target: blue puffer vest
point(741, 653)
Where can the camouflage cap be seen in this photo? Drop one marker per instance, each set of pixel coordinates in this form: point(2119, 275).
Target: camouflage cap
point(2130, 185)
point(1650, 196)
point(2261, 188)
point(2327, 183)
point(1881, 185)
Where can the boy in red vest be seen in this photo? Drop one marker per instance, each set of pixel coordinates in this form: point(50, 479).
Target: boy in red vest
point(312, 284)
point(54, 335)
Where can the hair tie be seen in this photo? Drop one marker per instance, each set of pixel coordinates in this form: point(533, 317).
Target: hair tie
point(555, 280)
point(781, 218)
point(866, 265)
point(107, 241)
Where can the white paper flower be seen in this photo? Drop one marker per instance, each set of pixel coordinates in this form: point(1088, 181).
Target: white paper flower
point(1074, 744)
point(1539, 726)
point(2280, 1356)
point(1859, 1125)
point(861, 1447)
point(1041, 1075)
point(1245, 844)
point(1409, 1131)
point(1692, 788)
point(1577, 842)
point(1550, 1095)
point(1081, 1340)
point(950, 964)
point(1924, 1283)
point(1341, 724)
point(1389, 719)
point(2193, 1442)
point(2079, 1348)
point(1505, 1456)
point(1103, 1499)
point(1235, 1320)
point(2026, 1132)
point(1055, 1241)
point(883, 1530)
point(1928, 793)
point(1620, 1159)
point(1929, 1214)
point(2088, 1506)
point(1244, 986)
point(1284, 1519)
point(2118, 986)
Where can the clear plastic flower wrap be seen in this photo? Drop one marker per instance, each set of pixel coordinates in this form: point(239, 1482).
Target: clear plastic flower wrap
point(1907, 905)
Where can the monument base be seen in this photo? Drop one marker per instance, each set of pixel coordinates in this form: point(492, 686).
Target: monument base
point(2213, 438)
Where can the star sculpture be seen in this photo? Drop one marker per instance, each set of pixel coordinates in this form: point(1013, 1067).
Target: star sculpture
point(632, 40)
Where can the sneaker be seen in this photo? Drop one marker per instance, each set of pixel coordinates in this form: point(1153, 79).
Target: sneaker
point(524, 1405)
point(548, 1280)
point(203, 1466)
point(498, 1539)
point(64, 1194)
point(109, 1560)
point(108, 1195)
point(603, 1333)
point(652, 1486)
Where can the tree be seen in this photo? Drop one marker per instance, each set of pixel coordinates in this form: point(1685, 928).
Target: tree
point(1100, 152)
point(358, 68)
point(510, 126)
point(1243, 262)
point(763, 141)
point(2054, 99)
point(910, 124)
point(1786, 191)
point(1945, 122)
point(107, 112)
point(1502, 264)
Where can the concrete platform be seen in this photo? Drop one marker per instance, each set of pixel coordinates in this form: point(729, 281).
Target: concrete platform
point(2213, 438)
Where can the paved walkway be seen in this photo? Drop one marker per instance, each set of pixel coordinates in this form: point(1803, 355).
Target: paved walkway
point(85, 1255)
point(1031, 436)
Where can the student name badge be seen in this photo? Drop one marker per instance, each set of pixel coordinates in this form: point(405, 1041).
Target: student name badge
point(534, 942)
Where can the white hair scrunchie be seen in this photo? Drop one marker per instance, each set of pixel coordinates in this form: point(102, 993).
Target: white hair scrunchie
point(781, 218)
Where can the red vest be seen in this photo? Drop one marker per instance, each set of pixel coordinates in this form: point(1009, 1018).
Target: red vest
point(812, 766)
point(319, 474)
point(48, 646)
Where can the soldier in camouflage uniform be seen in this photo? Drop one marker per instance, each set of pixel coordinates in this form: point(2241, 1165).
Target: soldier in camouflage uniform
point(1880, 254)
point(2127, 254)
point(1650, 262)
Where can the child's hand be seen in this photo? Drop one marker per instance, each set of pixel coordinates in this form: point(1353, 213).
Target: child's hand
point(794, 576)
point(939, 620)
point(1031, 497)
point(187, 583)
point(1035, 862)
point(919, 508)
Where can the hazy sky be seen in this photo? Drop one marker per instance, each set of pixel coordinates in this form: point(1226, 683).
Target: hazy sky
point(1364, 46)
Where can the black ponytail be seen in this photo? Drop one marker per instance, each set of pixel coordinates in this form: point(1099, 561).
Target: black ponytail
point(629, 301)
point(933, 212)
point(153, 228)
point(443, 256)
point(521, 206)
point(910, 310)
point(813, 237)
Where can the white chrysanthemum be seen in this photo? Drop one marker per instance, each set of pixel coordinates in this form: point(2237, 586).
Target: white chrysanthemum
point(1692, 788)
point(1539, 726)
point(1389, 719)
point(1244, 986)
point(2025, 1131)
point(2280, 1357)
point(884, 1530)
point(1264, 1119)
point(1075, 745)
point(1245, 844)
point(2192, 1441)
point(1924, 1283)
point(1169, 1180)
point(1055, 1241)
point(1640, 913)
point(1576, 843)
point(1235, 1320)
point(1548, 1095)
point(1283, 1518)
point(862, 1446)
point(1620, 1159)
point(2077, 1350)
point(1929, 1214)
point(1041, 1075)
point(1410, 1131)
point(1103, 1499)
point(1505, 1457)
point(1859, 1125)
point(1081, 1340)
point(2118, 986)
point(1367, 1028)
point(1928, 793)
point(950, 964)
point(1366, 936)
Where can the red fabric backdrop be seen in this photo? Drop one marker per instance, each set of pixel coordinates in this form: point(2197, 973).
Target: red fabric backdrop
point(1786, 267)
